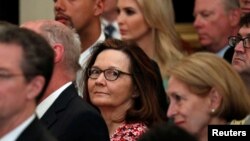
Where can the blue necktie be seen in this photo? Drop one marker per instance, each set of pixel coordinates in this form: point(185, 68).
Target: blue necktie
point(109, 29)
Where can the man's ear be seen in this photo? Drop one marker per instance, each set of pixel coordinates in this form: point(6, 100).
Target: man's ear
point(35, 87)
point(59, 51)
point(99, 7)
point(215, 100)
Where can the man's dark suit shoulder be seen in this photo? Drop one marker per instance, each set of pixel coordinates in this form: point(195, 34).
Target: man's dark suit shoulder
point(36, 132)
point(70, 118)
point(228, 56)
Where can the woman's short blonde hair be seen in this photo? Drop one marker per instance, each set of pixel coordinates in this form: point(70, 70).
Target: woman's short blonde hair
point(204, 71)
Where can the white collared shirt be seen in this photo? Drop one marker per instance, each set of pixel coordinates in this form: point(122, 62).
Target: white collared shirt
point(83, 60)
point(222, 51)
point(46, 103)
point(86, 54)
point(15, 133)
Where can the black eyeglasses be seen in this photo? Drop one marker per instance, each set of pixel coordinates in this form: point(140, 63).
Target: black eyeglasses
point(109, 74)
point(234, 40)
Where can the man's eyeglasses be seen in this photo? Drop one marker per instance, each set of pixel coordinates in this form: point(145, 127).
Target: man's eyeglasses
point(109, 74)
point(234, 40)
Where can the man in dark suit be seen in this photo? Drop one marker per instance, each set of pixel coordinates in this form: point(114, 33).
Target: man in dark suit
point(35, 132)
point(26, 65)
point(241, 58)
point(62, 110)
point(214, 22)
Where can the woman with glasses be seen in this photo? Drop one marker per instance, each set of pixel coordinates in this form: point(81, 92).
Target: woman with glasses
point(120, 81)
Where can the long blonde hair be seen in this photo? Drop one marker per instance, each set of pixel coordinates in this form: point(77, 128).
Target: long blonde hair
point(159, 15)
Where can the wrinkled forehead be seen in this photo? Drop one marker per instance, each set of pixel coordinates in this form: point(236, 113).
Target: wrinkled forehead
point(204, 6)
point(118, 60)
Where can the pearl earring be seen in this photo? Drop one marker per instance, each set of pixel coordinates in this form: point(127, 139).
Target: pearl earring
point(212, 110)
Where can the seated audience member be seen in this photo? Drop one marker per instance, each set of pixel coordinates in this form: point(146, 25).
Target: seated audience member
point(150, 24)
point(26, 65)
point(108, 19)
point(64, 113)
point(120, 81)
point(84, 17)
point(204, 90)
point(241, 58)
point(167, 132)
point(212, 34)
point(241, 44)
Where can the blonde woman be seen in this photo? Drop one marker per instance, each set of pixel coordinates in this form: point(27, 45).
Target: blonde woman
point(205, 90)
point(150, 23)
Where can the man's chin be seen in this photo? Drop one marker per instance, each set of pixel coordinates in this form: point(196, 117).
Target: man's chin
point(204, 42)
point(237, 67)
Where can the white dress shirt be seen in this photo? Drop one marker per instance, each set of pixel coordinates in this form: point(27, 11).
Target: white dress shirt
point(222, 51)
point(46, 103)
point(86, 54)
point(15, 133)
point(83, 60)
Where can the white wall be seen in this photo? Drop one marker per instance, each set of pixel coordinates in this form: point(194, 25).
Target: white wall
point(35, 9)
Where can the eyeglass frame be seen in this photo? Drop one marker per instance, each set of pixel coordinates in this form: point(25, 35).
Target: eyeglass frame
point(241, 39)
point(119, 72)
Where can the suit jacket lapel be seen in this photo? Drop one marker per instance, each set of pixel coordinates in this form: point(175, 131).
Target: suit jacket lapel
point(51, 116)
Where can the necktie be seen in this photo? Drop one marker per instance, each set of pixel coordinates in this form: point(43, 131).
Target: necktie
point(109, 29)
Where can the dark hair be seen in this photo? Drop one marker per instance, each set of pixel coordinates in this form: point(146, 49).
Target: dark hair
point(167, 132)
point(146, 107)
point(38, 56)
point(245, 20)
point(6, 25)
